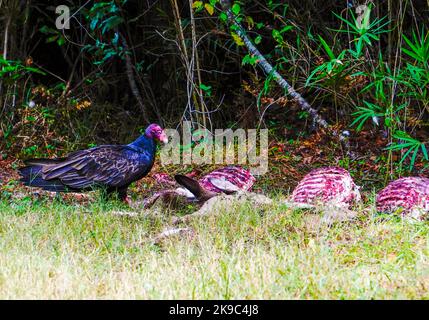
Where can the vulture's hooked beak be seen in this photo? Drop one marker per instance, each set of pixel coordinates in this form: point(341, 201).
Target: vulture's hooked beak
point(163, 138)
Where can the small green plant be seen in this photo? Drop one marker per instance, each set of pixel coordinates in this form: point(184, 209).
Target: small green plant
point(53, 35)
point(333, 69)
point(419, 48)
point(416, 74)
point(104, 20)
point(413, 145)
point(392, 90)
point(373, 112)
point(13, 70)
point(333, 72)
point(363, 30)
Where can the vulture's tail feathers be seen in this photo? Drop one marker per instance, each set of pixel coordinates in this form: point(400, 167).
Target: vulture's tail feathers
point(31, 176)
point(42, 162)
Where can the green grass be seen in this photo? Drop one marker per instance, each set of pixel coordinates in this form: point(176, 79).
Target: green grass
point(59, 250)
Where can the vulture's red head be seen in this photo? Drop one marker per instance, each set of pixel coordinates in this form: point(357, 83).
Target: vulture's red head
point(154, 131)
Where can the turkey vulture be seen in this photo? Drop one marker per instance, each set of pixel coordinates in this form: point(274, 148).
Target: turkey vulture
point(113, 167)
point(328, 184)
point(224, 180)
point(411, 194)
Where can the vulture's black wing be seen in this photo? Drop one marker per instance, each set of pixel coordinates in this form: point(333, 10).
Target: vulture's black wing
point(109, 165)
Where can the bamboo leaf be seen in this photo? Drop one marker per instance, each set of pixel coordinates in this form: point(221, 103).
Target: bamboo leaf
point(327, 49)
point(209, 8)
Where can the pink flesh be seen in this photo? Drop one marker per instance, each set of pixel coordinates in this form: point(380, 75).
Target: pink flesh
point(237, 176)
point(406, 193)
point(328, 184)
point(164, 179)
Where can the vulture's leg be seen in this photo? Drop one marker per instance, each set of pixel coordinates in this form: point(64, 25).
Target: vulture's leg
point(122, 195)
point(58, 197)
point(116, 193)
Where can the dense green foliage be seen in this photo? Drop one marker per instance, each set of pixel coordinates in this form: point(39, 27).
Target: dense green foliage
point(124, 63)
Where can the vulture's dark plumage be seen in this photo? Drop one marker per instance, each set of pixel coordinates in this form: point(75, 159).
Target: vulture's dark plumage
point(113, 167)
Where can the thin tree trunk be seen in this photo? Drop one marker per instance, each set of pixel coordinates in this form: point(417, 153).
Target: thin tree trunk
point(132, 81)
point(5, 44)
point(202, 115)
point(185, 57)
point(6, 36)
